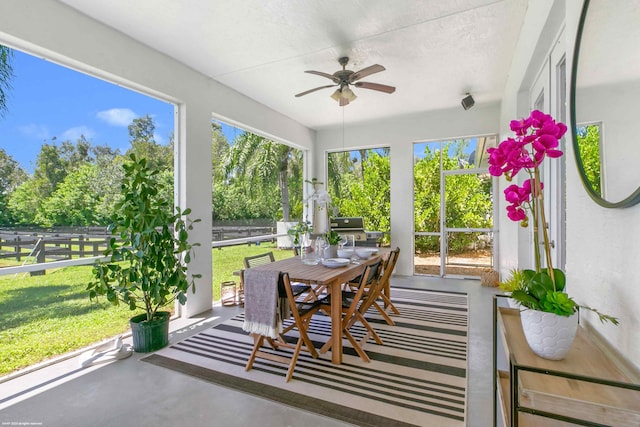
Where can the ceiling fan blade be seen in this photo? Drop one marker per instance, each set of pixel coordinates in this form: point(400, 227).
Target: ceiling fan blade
point(375, 68)
point(315, 89)
point(375, 86)
point(327, 75)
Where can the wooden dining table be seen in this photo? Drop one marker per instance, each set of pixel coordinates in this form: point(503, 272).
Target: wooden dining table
point(333, 279)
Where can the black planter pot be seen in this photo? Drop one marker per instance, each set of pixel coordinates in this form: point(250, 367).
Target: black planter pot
point(150, 336)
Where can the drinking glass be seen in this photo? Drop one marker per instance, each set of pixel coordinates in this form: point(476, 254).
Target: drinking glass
point(351, 246)
point(307, 254)
point(321, 246)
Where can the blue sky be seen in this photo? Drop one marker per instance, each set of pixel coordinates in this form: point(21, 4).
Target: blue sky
point(47, 101)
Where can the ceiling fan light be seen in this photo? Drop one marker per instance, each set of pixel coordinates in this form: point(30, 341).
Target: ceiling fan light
point(348, 94)
point(336, 95)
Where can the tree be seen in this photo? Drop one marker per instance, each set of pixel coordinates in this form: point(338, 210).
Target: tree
point(427, 192)
point(362, 187)
point(262, 162)
point(6, 75)
point(11, 176)
point(468, 198)
point(73, 202)
point(232, 202)
point(25, 201)
point(76, 154)
point(106, 184)
point(55, 162)
point(144, 145)
point(589, 148)
point(51, 169)
point(370, 197)
point(219, 149)
point(340, 174)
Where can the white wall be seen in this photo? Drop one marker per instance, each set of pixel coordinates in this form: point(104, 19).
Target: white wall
point(400, 133)
point(533, 44)
point(52, 30)
point(602, 251)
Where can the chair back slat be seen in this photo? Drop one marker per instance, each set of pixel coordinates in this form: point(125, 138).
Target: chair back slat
point(368, 280)
point(375, 283)
point(256, 260)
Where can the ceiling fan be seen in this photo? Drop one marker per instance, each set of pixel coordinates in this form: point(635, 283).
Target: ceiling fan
point(343, 78)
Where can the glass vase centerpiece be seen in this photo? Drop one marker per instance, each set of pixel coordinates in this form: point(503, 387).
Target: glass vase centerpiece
point(319, 202)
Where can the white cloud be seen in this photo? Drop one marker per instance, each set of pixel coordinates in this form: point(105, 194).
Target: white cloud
point(72, 134)
point(35, 131)
point(117, 116)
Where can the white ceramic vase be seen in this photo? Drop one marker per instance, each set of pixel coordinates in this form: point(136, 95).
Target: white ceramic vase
point(549, 336)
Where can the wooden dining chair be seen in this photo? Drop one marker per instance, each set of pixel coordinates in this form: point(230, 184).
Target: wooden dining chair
point(261, 259)
point(301, 315)
point(354, 306)
point(265, 258)
point(248, 262)
point(383, 302)
point(385, 294)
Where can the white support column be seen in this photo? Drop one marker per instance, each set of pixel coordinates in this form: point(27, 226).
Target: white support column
point(401, 158)
point(193, 190)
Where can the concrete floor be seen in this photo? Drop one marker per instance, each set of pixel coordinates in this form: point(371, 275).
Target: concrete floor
point(130, 393)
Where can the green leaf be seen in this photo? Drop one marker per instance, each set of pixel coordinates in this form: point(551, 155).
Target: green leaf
point(525, 299)
point(560, 279)
point(559, 303)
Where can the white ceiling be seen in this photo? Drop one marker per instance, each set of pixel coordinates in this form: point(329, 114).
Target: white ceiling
point(433, 50)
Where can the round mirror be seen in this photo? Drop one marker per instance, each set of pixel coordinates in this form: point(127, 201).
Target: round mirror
point(605, 92)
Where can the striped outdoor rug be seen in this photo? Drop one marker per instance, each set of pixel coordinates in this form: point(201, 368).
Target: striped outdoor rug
point(418, 377)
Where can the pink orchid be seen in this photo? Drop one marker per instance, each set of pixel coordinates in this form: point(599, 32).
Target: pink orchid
point(536, 137)
point(517, 195)
point(516, 213)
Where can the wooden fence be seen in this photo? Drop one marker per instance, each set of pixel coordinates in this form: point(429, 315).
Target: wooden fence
point(42, 248)
point(219, 234)
point(31, 246)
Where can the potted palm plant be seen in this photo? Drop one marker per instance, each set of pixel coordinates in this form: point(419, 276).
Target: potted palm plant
point(547, 308)
point(147, 269)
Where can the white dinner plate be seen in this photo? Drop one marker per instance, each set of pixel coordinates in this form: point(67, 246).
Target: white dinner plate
point(335, 262)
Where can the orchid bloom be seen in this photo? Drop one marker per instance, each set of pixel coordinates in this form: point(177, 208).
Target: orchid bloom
point(536, 138)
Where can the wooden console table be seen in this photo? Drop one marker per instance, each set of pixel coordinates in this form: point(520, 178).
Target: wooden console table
point(585, 388)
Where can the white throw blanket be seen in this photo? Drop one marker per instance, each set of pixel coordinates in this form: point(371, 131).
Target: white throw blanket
point(261, 313)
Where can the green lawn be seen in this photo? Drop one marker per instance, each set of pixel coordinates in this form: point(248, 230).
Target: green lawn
point(46, 316)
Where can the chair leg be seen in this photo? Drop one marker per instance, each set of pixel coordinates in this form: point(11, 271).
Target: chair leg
point(294, 359)
point(369, 328)
point(326, 347)
point(258, 340)
point(356, 346)
point(388, 304)
point(384, 315)
point(303, 337)
point(318, 289)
